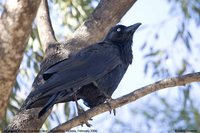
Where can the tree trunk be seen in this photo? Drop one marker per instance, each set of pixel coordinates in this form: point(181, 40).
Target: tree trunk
point(15, 26)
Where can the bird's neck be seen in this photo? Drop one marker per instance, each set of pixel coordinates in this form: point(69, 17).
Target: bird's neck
point(126, 52)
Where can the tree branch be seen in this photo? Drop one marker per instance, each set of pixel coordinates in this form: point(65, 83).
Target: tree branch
point(44, 25)
point(15, 26)
point(139, 93)
point(107, 14)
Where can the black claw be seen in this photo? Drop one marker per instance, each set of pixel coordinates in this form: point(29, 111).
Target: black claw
point(108, 103)
point(110, 111)
point(88, 124)
point(114, 112)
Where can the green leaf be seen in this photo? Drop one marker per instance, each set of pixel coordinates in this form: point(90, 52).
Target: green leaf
point(187, 44)
point(67, 110)
point(158, 52)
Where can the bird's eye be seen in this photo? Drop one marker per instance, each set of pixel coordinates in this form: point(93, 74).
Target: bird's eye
point(119, 29)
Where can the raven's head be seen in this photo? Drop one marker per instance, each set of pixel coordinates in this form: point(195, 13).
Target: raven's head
point(121, 33)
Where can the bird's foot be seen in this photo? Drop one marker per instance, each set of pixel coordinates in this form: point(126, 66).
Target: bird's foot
point(86, 121)
point(109, 105)
point(81, 111)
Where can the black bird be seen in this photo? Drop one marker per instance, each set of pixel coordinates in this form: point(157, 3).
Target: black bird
point(92, 74)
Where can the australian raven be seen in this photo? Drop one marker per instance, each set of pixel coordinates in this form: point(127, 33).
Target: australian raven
point(92, 74)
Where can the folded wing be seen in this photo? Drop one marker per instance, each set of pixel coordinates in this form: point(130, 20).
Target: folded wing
point(85, 67)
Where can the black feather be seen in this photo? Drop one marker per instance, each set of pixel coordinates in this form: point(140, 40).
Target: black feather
point(92, 74)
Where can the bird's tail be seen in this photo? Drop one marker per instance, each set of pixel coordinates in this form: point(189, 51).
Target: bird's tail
point(50, 103)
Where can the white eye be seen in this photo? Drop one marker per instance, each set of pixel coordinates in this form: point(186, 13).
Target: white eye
point(119, 29)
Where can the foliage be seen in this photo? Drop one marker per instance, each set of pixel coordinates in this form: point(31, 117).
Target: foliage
point(73, 12)
point(170, 60)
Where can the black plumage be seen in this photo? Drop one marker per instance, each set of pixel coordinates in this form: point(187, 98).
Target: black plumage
point(92, 74)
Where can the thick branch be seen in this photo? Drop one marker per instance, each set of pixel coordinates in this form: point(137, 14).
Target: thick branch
point(107, 13)
point(139, 93)
point(15, 27)
point(46, 32)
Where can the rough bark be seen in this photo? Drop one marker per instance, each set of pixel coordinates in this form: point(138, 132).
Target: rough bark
point(107, 14)
point(15, 27)
point(137, 94)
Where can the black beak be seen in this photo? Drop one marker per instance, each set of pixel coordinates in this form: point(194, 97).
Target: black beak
point(131, 29)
